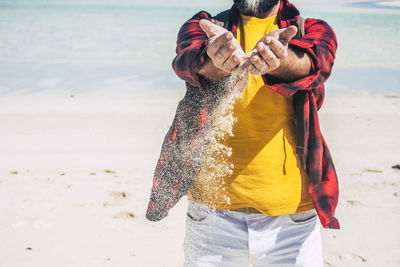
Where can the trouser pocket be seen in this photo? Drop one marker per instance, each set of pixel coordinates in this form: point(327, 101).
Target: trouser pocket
point(197, 213)
point(303, 217)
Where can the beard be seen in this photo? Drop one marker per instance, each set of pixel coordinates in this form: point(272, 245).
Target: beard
point(255, 8)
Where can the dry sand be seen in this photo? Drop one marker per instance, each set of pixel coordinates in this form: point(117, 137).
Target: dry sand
point(76, 174)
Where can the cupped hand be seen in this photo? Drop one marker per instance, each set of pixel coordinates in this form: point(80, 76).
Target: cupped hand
point(223, 48)
point(270, 51)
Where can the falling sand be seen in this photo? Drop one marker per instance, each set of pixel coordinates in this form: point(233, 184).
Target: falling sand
point(194, 146)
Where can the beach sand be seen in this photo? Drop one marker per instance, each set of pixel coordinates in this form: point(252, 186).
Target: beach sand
point(76, 173)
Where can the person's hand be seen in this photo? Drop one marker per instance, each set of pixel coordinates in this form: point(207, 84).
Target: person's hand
point(270, 51)
point(223, 48)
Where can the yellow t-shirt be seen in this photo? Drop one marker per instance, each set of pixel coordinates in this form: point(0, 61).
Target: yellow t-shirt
point(267, 173)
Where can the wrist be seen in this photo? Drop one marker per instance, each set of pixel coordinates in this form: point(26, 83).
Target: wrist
point(278, 72)
point(210, 72)
point(295, 66)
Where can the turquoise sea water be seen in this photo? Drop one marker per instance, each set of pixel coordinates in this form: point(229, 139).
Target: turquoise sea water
point(128, 45)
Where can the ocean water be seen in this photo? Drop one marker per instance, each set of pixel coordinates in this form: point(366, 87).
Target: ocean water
point(126, 46)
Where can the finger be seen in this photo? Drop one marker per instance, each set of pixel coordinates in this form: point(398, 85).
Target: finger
point(218, 43)
point(227, 61)
point(268, 56)
point(210, 28)
point(276, 47)
point(257, 62)
point(287, 35)
point(252, 69)
point(232, 62)
point(228, 49)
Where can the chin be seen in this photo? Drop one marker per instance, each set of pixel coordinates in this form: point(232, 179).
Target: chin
point(255, 8)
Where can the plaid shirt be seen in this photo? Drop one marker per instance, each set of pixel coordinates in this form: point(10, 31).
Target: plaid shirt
point(319, 42)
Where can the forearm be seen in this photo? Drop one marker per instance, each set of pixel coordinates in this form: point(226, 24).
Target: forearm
point(295, 66)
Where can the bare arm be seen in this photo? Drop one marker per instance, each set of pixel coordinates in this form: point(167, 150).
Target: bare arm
point(295, 66)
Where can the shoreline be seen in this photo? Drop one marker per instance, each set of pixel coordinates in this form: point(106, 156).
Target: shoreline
point(376, 4)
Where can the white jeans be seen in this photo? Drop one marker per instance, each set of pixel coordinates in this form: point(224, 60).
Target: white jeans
point(229, 238)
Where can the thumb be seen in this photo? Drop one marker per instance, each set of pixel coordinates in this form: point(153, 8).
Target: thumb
point(210, 28)
point(287, 34)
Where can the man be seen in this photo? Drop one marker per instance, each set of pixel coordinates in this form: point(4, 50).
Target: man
point(283, 173)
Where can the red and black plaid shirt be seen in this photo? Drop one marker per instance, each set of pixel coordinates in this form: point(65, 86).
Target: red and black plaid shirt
point(319, 42)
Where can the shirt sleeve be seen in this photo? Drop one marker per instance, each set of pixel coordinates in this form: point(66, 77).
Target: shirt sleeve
point(191, 47)
point(319, 42)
